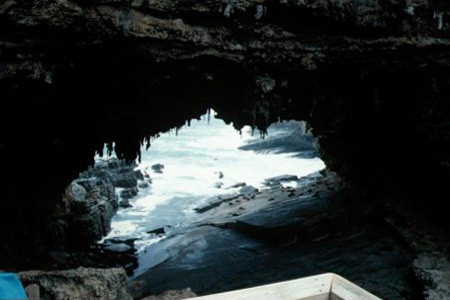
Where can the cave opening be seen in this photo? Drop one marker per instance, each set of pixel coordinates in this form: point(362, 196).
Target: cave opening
point(207, 157)
point(191, 177)
point(80, 79)
point(373, 124)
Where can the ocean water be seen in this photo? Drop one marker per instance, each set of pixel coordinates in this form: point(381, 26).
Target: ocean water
point(193, 159)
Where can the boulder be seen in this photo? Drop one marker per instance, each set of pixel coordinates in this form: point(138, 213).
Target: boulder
point(237, 185)
point(125, 180)
point(79, 284)
point(144, 185)
point(124, 203)
point(278, 179)
point(83, 216)
point(76, 192)
point(158, 168)
point(157, 231)
point(218, 185)
point(119, 172)
point(90, 204)
point(129, 193)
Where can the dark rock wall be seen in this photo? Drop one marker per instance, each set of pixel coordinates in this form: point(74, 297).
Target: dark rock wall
point(83, 215)
point(371, 78)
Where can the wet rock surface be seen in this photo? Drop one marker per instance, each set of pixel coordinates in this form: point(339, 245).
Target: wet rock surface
point(91, 204)
point(120, 173)
point(279, 179)
point(78, 284)
point(90, 201)
point(216, 202)
point(281, 234)
point(157, 231)
point(82, 217)
point(431, 265)
point(158, 168)
point(286, 137)
point(433, 270)
point(129, 193)
point(365, 74)
point(124, 203)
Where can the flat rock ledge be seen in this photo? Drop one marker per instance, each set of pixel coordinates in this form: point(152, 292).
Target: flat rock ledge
point(78, 284)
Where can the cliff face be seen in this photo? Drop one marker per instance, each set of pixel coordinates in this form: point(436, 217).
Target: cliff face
point(370, 77)
point(305, 34)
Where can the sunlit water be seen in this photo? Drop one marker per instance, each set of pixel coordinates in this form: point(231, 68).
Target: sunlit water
point(192, 160)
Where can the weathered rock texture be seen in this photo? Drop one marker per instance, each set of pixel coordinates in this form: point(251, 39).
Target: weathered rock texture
point(79, 284)
point(91, 204)
point(370, 77)
point(83, 215)
point(281, 233)
point(431, 266)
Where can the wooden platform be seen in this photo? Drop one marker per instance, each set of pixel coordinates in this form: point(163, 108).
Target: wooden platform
point(321, 287)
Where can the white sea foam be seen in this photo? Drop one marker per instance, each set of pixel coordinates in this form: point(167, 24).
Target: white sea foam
point(192, 161)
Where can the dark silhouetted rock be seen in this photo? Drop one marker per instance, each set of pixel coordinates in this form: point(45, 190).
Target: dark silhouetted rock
point(157, 231)
point(144, 185)
point(278, 179)
point(91, 203)
point(218, 185)
point(237, 185)
point(125, 203)
point(129, 193)
point(158, 168)
point(83, 216)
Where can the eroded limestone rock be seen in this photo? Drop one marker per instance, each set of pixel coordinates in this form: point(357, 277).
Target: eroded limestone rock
point(433, 269)
point(79, 284)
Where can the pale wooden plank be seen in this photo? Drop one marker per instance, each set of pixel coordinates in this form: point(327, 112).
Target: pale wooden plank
point(347, 290)
point(321, 287)
point(309, 288)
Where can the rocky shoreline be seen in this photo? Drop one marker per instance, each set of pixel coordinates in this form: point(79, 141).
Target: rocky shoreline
point(89, 203)
point(83, 216)
point(116, 181)
point(278, 233)
point(293, 227)
point(286, 137)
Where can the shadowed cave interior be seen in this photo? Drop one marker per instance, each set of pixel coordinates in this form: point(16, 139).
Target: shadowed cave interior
point(384, 131)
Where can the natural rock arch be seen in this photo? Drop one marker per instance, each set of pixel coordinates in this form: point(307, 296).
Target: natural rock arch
point(373, 84)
